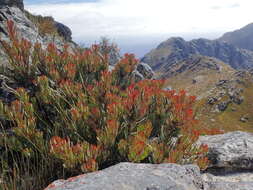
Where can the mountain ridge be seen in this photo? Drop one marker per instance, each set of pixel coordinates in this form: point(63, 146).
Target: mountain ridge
point(177, 49)
point(241, 38)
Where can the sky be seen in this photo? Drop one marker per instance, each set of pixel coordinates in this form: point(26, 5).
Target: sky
point(140, 25)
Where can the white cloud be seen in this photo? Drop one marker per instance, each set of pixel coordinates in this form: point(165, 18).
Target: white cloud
point(121, 18)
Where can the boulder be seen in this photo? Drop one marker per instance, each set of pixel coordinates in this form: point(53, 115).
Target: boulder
point(137, 76)
point(232, 151)
point(126, 176)
point(145, 70)
point(212, 100)
point(223, 105)
point(130, 176)
point(244, 119)
point(64, 31)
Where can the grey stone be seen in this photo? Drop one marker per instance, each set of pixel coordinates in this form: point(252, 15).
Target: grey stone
point(137, 76)
point(221, 82)
point(64, 31)
point(212, 100)
point(230, 186)
point(244, 119)
point(129, 176)
point(145, 70)
point(232, 151)
point(223, 105)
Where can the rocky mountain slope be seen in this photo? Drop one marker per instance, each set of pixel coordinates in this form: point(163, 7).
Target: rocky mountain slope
point(43, 30)
point(28, 25)
point(177, 49)
point(197, 74)
point(224, 95)
point(227, 105)
point(241, 38)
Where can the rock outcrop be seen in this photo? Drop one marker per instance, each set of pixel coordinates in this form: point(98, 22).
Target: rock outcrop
point(64, 31)
point(231, 161)
point(26, 28)
point(175, 50)
point(143, 71)
point(232, 151)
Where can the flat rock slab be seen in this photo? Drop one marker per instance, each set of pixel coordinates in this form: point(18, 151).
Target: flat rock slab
point(230, 186)
point(232, 150)
point(129, 176)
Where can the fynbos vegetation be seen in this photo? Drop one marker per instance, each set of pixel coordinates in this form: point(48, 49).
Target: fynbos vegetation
point(70, 115)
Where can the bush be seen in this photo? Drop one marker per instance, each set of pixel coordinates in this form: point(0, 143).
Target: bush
point(71, 115)
point(46, 25)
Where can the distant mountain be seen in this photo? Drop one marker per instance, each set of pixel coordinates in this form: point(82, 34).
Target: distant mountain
point(242, 38)
point(177, 49)
point(208, 69)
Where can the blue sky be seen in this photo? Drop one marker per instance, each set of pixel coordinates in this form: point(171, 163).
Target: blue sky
point(139, 25)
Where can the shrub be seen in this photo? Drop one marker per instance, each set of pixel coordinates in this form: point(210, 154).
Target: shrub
point(45, 24)
point(71, 115)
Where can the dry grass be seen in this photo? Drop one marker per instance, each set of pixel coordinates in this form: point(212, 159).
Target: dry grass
point(229, 120)
point(204, 78)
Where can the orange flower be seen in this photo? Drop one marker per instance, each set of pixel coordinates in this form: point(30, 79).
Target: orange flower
point(75, 114)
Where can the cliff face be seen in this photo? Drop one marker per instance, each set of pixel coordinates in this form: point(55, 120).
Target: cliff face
point(175, 50)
